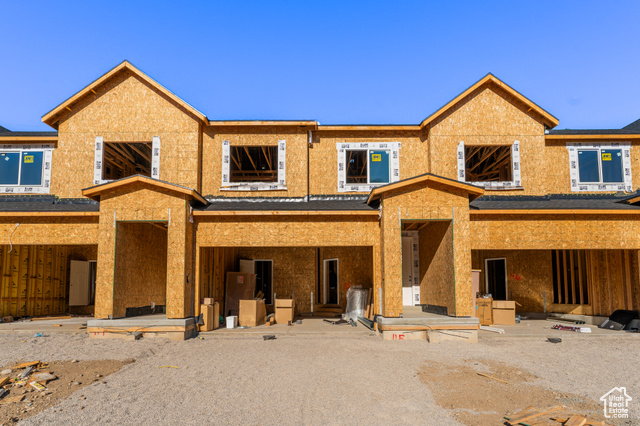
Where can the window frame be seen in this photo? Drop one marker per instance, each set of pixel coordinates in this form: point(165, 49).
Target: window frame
point(281, 164)
point(393, 148)
point(516, 177)
point(45, 175)
point(574, 168)
point(600, 170)
point(98, 159)
point(368, 157)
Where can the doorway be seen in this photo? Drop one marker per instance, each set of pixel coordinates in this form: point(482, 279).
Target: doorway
point(495, 276)
point(330, 290)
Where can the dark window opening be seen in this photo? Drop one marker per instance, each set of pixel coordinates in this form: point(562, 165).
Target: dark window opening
point(123, 159)
point(254, 164)
point(488, 163)
point(357, 166)
point(264, 278)
point(570, 280)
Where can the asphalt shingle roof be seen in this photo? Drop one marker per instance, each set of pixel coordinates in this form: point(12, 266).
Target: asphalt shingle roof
point(38, 203)
point(274, 204)
point(553, 202)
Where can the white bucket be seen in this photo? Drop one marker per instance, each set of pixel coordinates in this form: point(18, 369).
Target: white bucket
point(232, 321)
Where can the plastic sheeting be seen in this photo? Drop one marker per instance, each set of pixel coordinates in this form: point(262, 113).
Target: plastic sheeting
point(356, 302)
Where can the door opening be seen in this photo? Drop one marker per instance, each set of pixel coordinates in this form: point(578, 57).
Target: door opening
point(495, 276)
point(264, 279)
point(407, 272)
point(331, 293)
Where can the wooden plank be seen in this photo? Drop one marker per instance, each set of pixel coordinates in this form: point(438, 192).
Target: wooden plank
point(51, 318)
point(531, 415)
point(491, 377)
point(576, 420)
point(573, 277)
point(566, 279)
point(286, 213)
point(428, 327)
point(4, 380)
point(580, 277)
point(628, 284)
point(608, 278)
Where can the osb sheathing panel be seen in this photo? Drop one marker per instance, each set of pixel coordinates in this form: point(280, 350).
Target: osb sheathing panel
point(556, 176)
point(530, 273)
point(433, 202)
point(280, 231)
point(555, 232)
point(294, 271)
point(437, 278)
point(355, 268)
point(44, 230)
point(144, 202)
point(490, 116)
point(296, 158)
point(34, 280)
point(323, 155)
point(124, 109)
point(140, 267)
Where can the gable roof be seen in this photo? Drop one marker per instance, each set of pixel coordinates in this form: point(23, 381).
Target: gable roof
point(94, 192)
point(473, 191)
point(547, 118)
point(633, 126)
point(49, 117)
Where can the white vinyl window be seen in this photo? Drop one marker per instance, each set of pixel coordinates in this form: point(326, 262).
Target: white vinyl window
point(600, 167)
point(25, 168)
point(364, 166)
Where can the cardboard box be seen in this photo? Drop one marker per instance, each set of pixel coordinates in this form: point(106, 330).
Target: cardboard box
point(240, 286)
point(504, 312)
point(252, 313)
point(484, 310)
point(207, 317)
point(208, 301)
point(284, 310)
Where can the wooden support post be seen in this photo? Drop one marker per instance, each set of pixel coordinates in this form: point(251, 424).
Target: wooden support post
point(573, 277)
point(580, 277)
point(608, 277)
point(566, 278)
point(629, 285)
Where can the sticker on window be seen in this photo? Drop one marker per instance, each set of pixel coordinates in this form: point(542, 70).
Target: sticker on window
point(606, 156)
point(28, 158)
point(376, 157)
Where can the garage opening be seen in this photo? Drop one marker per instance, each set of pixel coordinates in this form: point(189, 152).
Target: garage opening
point(39, 280)
point(318, 276)
point(140, 275)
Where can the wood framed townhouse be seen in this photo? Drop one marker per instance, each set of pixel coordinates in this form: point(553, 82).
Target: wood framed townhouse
point(154, 203)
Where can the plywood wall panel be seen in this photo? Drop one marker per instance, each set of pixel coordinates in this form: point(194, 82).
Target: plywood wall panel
point(140, 266)
point(437, 277)
point(542, 232)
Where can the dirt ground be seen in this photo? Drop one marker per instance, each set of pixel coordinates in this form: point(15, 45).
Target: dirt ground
point(71, 377)
point(326, 379)
point(480, 400)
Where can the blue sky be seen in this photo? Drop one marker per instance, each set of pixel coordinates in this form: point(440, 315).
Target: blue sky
point(347, 62)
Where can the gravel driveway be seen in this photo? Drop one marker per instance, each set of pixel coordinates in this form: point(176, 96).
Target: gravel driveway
point(305, 379)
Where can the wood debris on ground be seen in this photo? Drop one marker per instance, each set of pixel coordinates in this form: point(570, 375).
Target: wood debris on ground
point(533, 416)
